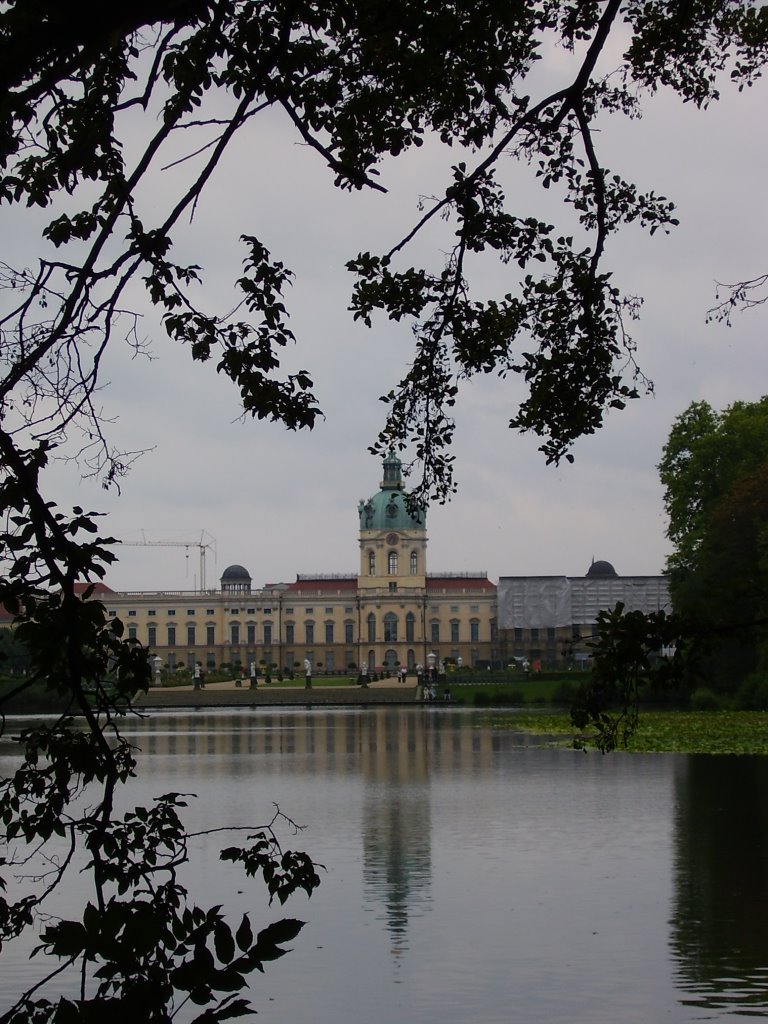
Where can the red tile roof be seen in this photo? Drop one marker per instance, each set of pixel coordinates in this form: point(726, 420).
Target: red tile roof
point(98, 588)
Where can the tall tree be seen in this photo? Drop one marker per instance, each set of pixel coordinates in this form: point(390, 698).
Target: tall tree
point(96, 99)
point(715, 472)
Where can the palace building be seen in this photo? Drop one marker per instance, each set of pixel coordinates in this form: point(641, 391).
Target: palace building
point(391, 613)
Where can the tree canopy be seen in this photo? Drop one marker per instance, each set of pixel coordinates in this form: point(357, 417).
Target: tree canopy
point(715, 471)
point(96, 103)
point(96, 100)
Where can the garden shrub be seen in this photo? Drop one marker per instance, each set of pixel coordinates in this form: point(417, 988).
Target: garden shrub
point(752, 695)
point(705, 699)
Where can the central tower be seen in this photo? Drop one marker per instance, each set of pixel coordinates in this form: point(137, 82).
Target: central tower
point(393, 540)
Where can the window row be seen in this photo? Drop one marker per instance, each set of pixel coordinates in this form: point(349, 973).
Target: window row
point(390, 632)
point(392, 563)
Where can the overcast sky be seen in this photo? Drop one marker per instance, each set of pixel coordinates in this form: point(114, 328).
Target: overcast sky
point(283, 503)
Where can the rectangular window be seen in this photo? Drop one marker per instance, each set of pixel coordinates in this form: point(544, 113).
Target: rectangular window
point(550, 632)
point(518, 634)
point(330, 663)
point(474, 607)
point(250, 611)
point(152, 636)
point(454, 607)
point(190, 611)
point(132, 613)
point(534, 633)
point(208, 611)
point(171, 636)
point(210, 635)
point(454, 632)
point(289, 611)
point(234, 633)
point(190, 636)
point(151, 612)
point(267, 634)
point(112, 613)
point(329, 632)
point(267, 611)
point(474, 632)
point(329, 611)
point(309, 611)
point(434, 632)
point(348, 633)
point(309, 633)
point(171, 611)
point(289, 633)
point(234, 611)
point(392, 587)
point(251, 631)
point(348, 611)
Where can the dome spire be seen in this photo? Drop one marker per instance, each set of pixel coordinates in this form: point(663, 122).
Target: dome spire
point(393, 473)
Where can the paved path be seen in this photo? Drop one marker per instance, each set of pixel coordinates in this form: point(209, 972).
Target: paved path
point(222, 695)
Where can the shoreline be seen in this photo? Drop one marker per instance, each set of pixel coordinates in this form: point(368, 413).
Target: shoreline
point(222, 695)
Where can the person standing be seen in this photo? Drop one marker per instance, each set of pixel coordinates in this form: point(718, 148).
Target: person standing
point(196, 677)
point(307, 674)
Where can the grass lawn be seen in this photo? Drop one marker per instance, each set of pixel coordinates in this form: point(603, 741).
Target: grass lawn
point(519, 690)
point(683, 732)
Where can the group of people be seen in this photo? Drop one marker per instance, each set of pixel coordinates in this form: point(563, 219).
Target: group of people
point(430, 692)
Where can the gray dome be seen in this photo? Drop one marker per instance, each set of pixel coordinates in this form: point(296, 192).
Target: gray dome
point(235, 572)
point(601, 569)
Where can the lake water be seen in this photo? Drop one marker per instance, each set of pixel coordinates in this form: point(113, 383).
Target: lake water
point(475, 875)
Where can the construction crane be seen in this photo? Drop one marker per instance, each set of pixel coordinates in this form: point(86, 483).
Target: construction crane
point(205, 543)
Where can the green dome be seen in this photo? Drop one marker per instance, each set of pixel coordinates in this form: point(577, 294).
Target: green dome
point(387, 509)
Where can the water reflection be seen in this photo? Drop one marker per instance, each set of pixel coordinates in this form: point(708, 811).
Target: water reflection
point(719, 925)
point(491, 874)
point(393, 750)
point(396, 824)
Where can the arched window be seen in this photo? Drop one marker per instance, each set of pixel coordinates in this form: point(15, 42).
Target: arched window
point(390, 628)
point(371, 563)
point(392, 563)
point(371, 620)
point(410, 626)
point(414, 563)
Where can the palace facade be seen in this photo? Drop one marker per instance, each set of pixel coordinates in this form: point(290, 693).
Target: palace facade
point(391, 613)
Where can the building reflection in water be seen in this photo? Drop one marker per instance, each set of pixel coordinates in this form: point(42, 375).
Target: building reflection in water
point(392, 751)
point(719, 926)
point(396, 822)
